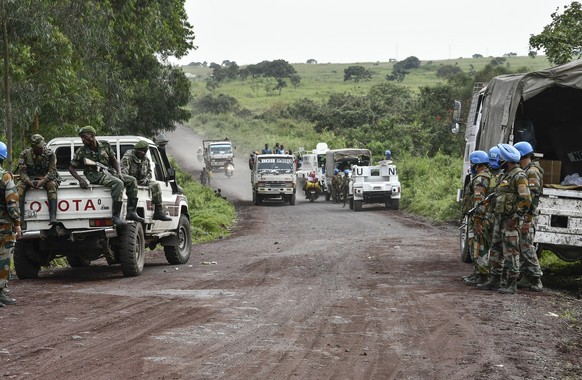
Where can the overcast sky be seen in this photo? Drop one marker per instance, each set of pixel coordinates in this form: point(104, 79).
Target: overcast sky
point(350, 31)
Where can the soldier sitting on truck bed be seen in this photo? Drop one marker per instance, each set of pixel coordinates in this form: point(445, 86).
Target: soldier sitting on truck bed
point(101, 153)
point(37, 167)
point(136, 163)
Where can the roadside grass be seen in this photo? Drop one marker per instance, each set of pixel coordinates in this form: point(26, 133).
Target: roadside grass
point(559, 274)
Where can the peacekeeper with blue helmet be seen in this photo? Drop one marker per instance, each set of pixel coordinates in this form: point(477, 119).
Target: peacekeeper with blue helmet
point(513, 200)
point(530, 266)
point(478, 241)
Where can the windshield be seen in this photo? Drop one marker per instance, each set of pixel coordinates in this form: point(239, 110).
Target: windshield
point(220, 149)
point(279, 165)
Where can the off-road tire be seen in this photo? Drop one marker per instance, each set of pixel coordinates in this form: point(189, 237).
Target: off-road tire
point(351, 203)
point(257, 198)
point(292, 199)
point(357, 205)
point(24, 265)
point(395, 204)
point(131, 249)
point(327, 196)
point(180, 254)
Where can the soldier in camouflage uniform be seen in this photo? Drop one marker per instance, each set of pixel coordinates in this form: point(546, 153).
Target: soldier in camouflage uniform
point(479, 189)
point(512, 202)
point(345, 186)
point(37, 167)
point(336, 185)
point(9, 226)
point(530, 266)
point(101, 152)
point(137, 164)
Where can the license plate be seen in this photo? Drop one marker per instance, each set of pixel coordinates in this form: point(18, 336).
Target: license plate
point(30, 214)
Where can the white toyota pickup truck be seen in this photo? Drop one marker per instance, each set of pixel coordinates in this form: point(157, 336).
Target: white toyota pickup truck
point(85, 231)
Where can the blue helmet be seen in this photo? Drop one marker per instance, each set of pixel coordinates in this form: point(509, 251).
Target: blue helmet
point(387, 154)
point(347, 171)
point(335, 171)
point(508, 153)
point(524, 148)
point(479, 157)
point(494, 158)
point(3, 151)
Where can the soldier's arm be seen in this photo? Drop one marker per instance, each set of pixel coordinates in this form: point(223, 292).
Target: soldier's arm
point(52, 174)
point(22, 169)
point(523, 196)
point(125, 164)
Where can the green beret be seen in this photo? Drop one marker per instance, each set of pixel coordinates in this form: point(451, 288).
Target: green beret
point(87, 129)
point(37, 141)
point(141, 144)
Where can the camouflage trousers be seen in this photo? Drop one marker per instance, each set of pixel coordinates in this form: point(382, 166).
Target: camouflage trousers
point(117, 185)
point(530, 264)
point(156, 192)
point(505, 243)
point(7, 240)
point(479, 248)
point(50, 187)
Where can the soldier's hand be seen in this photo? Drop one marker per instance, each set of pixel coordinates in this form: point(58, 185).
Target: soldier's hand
point(18, 232)
point(479, 228)
point(525, 226)
point(40, 183)
point(83, 184)
point(511, 223)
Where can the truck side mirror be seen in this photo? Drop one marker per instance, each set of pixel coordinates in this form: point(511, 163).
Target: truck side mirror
point(455, 123)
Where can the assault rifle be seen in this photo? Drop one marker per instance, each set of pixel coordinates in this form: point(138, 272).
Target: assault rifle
point(89, 162)
point(481, 203)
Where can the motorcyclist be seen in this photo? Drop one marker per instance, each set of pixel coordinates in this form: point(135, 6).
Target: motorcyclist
point(228, 167)
point(312, 184)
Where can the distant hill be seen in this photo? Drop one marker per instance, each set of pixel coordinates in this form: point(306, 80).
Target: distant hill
point(320, 80)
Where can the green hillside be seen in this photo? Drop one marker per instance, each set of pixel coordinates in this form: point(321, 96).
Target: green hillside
point(318, 81)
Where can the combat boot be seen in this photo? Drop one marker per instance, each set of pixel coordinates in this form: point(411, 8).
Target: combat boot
point(493, 283)
point(475, 280)
point(536, 284)
point(131, 213)
point(524, 282)
point(159, 214)
point(116, 218)
point(52, 203)
point(5, 299)
point(511, 287)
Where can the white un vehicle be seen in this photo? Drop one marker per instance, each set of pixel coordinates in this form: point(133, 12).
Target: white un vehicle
point(374, 184)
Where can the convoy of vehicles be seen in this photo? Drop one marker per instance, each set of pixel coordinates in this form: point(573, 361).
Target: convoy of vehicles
point(85, 231)
point(543, 108)
point(273, 178)
point(313, 162)
point(374, 184)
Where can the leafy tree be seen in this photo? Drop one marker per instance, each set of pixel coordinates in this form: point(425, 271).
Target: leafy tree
point(561, 40)
point(216, 105)
point(401, 68)
point(497, 61)
point(357, 74)
point(477, 56)
point(448, 71)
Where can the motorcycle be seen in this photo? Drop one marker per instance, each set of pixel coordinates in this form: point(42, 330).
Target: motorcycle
point(312, 190)
point(228, 170)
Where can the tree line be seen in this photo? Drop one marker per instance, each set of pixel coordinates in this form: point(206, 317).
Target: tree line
point(70, 63)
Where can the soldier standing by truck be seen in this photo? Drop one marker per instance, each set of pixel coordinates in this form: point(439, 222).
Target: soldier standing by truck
point(512, 201)
point(479, 189)
point(530, 266)
point(136, 163)
point(37, 167)
point(101, 152)
point(9, 226)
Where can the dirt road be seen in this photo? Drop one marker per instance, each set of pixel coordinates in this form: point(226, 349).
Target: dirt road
point(311, 291)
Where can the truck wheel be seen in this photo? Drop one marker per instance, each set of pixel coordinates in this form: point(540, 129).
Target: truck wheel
point(357, 205)
point(257, 198)
point(464, 241)
point(351, 203)
point(292, 200)
point(78, 262)
point(395, 204)
point(180, 254)
point(25, 267)
point(132, 249)
point(327, 196)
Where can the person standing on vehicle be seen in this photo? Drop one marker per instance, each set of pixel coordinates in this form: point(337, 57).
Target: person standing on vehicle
point(530, 266)
point(37, 167)
point(512, 202)
point(137, 164)
point(479, 189)
point(101, 152)
point(9, 226)
point(266, 150)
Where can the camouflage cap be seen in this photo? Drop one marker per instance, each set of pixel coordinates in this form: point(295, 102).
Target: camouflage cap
point(87, 129)
point(37, 141)
point(141, 144)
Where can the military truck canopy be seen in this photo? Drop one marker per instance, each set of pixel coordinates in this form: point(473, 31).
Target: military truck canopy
point(542, 107)
point(343, 158)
